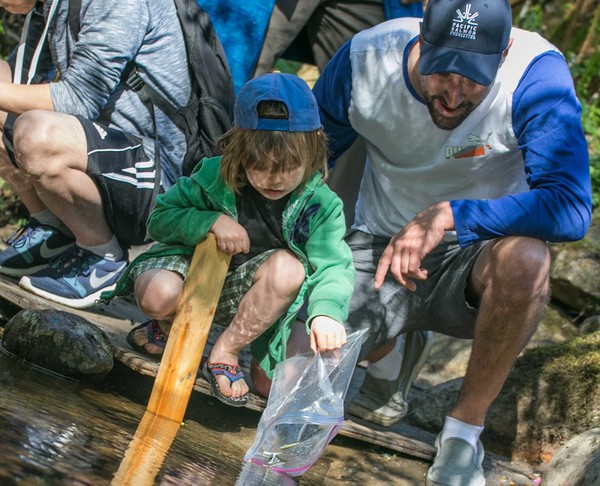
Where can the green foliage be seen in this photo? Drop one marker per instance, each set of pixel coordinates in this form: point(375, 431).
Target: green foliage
point(287, 67)
point(567, 27)
point(531, 18)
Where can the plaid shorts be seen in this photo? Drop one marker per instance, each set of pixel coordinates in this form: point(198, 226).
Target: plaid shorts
point(237, 283)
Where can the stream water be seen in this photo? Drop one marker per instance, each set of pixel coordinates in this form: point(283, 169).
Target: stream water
point(54, 431)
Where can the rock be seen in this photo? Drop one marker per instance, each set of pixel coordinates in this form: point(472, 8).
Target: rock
point(551, 395)
point(59, 341)
point(574, 277)
point(577, 463)
point(589, 325)
point(575, 269)
point(449, 356)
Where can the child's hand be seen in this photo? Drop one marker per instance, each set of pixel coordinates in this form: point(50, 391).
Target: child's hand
point(326, 333)
point(232, 237)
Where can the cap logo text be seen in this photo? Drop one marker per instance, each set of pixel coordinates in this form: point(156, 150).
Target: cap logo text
point(464, 25)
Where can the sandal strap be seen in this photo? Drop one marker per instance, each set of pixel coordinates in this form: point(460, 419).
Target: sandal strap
point(232, 372)
point(155, 334)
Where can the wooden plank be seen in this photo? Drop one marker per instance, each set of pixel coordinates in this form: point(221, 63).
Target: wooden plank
point(179, 365)
point(116, 329)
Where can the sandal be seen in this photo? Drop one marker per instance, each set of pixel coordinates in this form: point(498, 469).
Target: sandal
point(154, 334)
point(233, 373)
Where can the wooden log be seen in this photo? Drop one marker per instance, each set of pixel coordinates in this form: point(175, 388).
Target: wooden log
point(179, 366)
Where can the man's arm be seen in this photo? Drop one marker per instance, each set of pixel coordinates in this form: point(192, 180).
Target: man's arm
point(546, 119)
point(19, 98)
point(333, 93)
point(111, 33)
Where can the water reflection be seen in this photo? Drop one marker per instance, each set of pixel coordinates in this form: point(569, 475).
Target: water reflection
point(55, 431)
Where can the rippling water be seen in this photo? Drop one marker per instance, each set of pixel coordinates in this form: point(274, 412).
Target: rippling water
point(57, 431)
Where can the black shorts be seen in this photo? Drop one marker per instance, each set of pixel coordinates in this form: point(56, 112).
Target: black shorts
point(128, 180)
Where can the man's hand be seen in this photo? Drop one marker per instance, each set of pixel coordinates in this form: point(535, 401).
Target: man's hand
point(326, 334)
point(407, 249)
point(232, 237)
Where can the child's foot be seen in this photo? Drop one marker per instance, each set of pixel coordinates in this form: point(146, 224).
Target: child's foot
point(224, 374)
point(150, 337)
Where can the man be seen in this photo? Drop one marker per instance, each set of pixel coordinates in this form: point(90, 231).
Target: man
point(476, 158)
point(83, 153)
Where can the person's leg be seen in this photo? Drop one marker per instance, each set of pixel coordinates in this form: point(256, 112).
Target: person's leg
point(437, 304)
point(298, 343)
point(18, 182)
point(511, 279)
point(287, 20)
point(328, 24)
point(51, 150)
point(157, 293)
point(104, 202)
point(334, 22)
point(275, 286)
point(44, 236)
point(511, 276)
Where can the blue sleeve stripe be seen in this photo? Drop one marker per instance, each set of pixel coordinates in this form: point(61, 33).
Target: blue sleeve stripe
point(547, 123)
point(333, 91)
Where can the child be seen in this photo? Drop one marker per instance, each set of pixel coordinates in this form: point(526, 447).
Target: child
point(268, 207)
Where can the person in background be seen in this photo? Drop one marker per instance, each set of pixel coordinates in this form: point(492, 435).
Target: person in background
point(80, 149)
point(266, 202)
point(476, 157)
point(257, 33)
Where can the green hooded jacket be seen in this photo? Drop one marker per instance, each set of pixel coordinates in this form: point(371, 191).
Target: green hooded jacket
point(313, 227)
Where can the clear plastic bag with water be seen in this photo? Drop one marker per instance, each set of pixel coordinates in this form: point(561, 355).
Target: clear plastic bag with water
point(305, 409)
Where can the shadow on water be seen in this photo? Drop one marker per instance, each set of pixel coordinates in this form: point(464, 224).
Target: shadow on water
point(57, 431)
point(54, 431)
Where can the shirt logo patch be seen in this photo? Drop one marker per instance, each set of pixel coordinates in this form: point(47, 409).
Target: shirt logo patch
point(475, 147)
point(464, 26)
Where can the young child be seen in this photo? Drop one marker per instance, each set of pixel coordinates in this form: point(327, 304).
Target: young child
point(267, 204)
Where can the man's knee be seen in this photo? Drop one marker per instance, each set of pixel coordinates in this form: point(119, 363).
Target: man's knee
point(39, 135)
point(520, 266)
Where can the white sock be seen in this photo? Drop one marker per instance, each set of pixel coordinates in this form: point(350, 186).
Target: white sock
point(388, 367)
point(461, 430)
point(112, 250)
point(46, 217)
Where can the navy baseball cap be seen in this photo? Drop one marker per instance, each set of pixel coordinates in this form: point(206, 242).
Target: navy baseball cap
point(286, 88)
point(465, 37)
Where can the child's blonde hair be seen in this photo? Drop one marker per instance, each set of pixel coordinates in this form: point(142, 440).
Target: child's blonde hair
point(271, 150)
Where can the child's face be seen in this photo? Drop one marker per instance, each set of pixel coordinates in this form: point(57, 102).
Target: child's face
point(275, 185)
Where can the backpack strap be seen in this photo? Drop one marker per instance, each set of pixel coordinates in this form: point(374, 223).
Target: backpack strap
point(74, 12)
point(147, 94)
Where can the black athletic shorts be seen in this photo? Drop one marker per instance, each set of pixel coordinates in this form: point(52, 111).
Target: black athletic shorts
point(128, 180)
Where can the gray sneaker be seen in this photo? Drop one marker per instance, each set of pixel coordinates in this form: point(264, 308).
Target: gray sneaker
point(456, 464)
point(384, 402)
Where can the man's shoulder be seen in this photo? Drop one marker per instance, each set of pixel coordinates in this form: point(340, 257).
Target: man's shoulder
point(528, 42)
point(390, 35)
point(527, 48)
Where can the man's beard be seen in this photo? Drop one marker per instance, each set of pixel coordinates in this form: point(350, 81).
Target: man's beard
point(444, 122)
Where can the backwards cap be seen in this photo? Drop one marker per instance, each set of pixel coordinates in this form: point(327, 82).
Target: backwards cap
point(286, 88)
point(465, 37)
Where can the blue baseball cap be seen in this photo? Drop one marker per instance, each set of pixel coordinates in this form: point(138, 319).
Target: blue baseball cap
point(286, 88)
point(465, 37)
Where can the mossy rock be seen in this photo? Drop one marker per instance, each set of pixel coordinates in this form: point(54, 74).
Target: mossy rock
point(552, 395)
point(61, 342)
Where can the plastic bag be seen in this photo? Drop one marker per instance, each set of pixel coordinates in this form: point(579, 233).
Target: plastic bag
point(305, 409)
